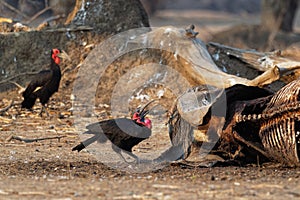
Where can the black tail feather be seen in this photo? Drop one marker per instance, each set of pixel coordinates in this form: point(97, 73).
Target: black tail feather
point(79, 147)
point(86, 143)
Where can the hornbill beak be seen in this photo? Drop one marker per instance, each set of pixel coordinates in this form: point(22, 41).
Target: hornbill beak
point(64, 55)
point(143, 111)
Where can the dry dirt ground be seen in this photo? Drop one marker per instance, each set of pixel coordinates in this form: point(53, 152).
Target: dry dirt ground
point(48, 169)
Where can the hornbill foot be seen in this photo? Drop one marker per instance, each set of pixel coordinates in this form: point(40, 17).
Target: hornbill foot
point(136, 158)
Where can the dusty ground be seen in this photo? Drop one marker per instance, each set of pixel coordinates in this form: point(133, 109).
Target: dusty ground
point(50, 170)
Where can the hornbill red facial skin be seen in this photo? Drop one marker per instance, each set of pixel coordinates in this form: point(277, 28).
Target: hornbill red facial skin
point(45, 83)
point(124, 133)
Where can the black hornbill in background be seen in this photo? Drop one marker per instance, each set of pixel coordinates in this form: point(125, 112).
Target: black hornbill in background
point(45, 83)
point(124, 133)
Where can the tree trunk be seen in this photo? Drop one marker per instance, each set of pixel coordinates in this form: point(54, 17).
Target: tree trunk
point(278, 14)
point(109, 16)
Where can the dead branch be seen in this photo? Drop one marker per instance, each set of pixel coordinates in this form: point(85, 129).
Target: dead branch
point(260, 61)
point(16, 76)
point(27, 140)
point(38, 14)
point(69, 68)
point(53, 18)
point(17, 84)
point(21, 88)
point(277, 28)
point(79, 4)
point(71, 29)
point(251, 57)
point(14, 9)
point(276, 65)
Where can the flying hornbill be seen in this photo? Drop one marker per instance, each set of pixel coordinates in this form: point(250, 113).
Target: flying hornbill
point(124, 133)
point(45, 83)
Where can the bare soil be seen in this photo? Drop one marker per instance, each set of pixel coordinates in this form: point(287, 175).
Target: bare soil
point(48, 169)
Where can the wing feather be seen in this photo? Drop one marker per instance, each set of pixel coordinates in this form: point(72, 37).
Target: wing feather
point(38, 81)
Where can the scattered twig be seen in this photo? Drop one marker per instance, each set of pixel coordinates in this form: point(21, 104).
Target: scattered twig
point(17, 84)
point(7, 107)
point(21, 88)
point(66, 69)
point(32, 193)
point(265, 185)
point(6, 20)
point(165, 186)
point(89, 46)
point(28, 140)
point(5, 120)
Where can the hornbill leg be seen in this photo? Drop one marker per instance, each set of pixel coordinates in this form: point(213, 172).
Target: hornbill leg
point(118, 151)
point(120, 154)
point(44, 109)
point(137, 159)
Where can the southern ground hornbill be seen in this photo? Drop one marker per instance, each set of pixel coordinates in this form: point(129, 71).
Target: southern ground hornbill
point(45, 83)
point(124, 133)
